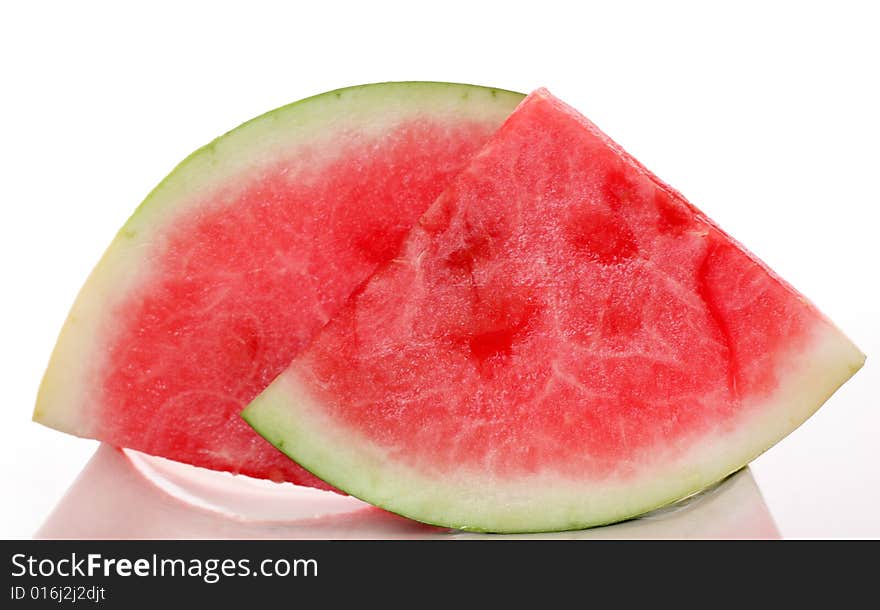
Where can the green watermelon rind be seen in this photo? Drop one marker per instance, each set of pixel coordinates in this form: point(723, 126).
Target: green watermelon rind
point(67, 399)
point(290, 418)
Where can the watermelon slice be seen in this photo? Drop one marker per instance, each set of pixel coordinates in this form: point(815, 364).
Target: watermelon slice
point(240, 255)
point(563, 341)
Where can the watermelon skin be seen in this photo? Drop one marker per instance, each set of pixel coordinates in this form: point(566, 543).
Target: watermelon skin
point(564, 341)
point(236, 259)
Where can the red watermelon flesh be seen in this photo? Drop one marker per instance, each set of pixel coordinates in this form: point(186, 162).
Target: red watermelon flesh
point(563, 341)
point(235, 261)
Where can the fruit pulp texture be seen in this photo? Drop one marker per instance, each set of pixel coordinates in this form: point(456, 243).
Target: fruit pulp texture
point(242, 284)
point(557, 308)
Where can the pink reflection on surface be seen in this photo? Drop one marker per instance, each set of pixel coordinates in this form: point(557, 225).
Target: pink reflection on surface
point(125, 494)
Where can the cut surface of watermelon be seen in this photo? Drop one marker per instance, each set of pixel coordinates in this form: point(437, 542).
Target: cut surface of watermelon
point(563, 341)
point(240, 255)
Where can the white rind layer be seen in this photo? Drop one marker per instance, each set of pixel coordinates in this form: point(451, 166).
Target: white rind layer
point(290, 418)
point(68, 394)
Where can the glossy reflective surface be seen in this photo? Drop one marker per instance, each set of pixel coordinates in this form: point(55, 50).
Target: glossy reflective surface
point(125, 494)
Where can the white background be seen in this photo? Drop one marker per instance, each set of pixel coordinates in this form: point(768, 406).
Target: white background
point(763, 114)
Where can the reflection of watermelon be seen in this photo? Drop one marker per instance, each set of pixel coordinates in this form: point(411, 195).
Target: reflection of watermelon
point(238, 257)
point(563, 341)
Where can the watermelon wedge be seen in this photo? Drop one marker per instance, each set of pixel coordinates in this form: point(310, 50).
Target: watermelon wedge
point(240, 255)
point(563, 341)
